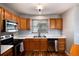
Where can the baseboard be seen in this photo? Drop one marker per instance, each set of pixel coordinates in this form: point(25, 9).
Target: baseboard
point(67, 52)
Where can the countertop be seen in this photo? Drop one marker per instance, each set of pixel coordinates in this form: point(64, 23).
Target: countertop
point(32, 36)
point(4, 48)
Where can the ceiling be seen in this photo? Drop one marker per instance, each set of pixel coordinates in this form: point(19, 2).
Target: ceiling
point(31, 8)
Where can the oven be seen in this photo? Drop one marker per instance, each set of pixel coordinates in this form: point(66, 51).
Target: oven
point(8, 40)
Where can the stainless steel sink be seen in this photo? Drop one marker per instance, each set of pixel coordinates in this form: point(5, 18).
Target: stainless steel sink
point(39, 36)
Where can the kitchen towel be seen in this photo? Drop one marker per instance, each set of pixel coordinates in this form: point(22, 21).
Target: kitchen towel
point(56, 46)
point(21, 47)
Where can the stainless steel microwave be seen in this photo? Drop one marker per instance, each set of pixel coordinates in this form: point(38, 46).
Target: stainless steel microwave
point(9, 26)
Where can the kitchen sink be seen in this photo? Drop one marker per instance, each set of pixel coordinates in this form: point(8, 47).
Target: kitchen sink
point(39, 36)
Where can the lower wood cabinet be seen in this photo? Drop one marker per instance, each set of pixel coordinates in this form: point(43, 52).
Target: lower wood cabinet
point(43, 44)
point(61, 44)
point(37, 44)
point(8, 53)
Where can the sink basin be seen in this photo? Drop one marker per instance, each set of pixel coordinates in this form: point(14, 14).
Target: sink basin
point(39, 36)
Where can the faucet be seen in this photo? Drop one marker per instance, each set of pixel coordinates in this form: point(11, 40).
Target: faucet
point(39, 34)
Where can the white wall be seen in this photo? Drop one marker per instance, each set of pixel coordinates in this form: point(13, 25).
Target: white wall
point(69, 18)
point(76, 34)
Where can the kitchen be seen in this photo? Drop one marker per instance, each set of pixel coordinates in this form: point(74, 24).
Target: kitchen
point(38, 29)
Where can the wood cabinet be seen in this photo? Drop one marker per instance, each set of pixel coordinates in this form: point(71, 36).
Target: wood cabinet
point(56, 23)
point(52, 23)
point(59, 23)
point(8, 53)
point(26, 45)
point(1, 18)
point(7, 15)
point(13, 17)
point(27, 23)
point(43, 44)
point(23, 24)
point(35, 44)
point(61, 44)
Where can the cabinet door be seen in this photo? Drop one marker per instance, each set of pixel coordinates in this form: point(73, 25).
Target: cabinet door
point(52, 23)
point(26, 45)
point(8, 15)
point(1, 18)
point(61, 44)
point(23, 24)
point(31, 44)
point(36, 46)
point(13, 17)
point(59, 23)
point(44, 45)
point(27, 23)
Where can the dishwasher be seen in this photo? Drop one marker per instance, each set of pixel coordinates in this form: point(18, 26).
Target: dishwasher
point(52, 45)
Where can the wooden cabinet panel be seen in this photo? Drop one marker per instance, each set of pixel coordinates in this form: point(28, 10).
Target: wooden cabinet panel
point(7, 15)
point(8, 53)
point(13, 17)
point(23, 24)
point(26, 44)
point(59, 23)
point(36, 44)
point(56, 23)
point(1, 18)
point(52, 23)
point(61, 44)
point(27, 23)
point(44, 44)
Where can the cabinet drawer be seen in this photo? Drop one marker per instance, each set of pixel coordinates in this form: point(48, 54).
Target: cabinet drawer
point(61, 40)
point(61, 43)
point(61, 49)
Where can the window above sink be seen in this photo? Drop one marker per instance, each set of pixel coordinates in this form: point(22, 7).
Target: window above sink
point(37, 23)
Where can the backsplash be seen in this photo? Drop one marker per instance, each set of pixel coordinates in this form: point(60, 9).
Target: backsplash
point(53, 32)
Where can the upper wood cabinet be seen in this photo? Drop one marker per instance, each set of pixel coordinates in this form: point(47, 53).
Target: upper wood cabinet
point(7, 15)
point(1, 17)
point(56, 23)
point(52, 23)
point(27, 23)
point(14, 17)
point(23, 24)
point(59, 24)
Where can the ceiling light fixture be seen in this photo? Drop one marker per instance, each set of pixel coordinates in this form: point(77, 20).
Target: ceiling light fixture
point(39, 8)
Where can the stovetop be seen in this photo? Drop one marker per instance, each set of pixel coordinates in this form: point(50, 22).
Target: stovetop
point(11, 41)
